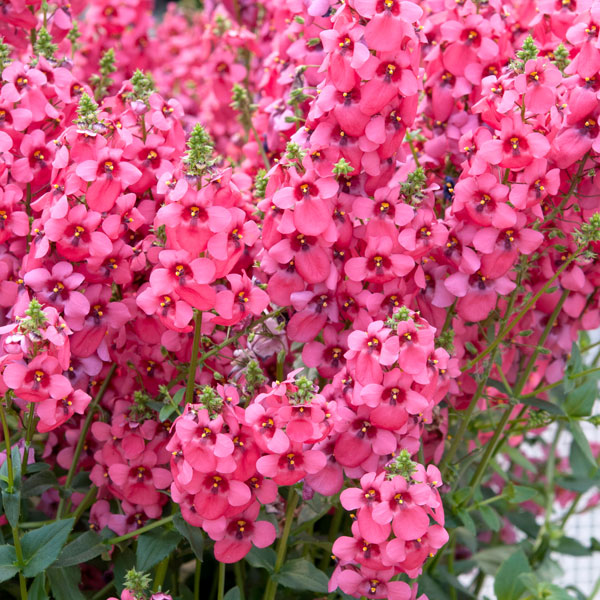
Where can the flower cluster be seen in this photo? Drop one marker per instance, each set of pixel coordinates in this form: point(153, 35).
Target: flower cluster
point(282, 249)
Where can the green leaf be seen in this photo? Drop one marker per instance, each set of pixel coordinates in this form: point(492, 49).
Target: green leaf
point(490, 559)
point(192, 534)
point(38, 483)
point(42, 546)
point(233, 594)
point(16, 463)
point(580, 401)
point(12, 506)
point(165, 412)
point(300, 574)
point(8, 558)
point(64, 583)
point(82, 549)
point(314, 509)
point(262, 558)
point(518, 458)
point(571, 546)
point(581, 440)
point(549, 407)
point(37, 590)
point(155, 545)
point(507, 585)
point(124, 562)
point(467, 520)
point(522, 493)
point(490, 517)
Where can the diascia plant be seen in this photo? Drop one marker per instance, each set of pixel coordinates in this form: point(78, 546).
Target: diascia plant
point(295, 298)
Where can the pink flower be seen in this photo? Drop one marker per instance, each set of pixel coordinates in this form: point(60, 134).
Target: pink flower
point(39, 380)
point(109, 176)
point(235, 536)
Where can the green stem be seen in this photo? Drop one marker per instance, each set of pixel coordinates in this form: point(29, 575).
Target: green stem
point(197, 573)
point(413, 151)
point(191, 379)
point(533, 358)
point(595, 590)
point(28, 436)
point(292, 503)
point(510, 326)
point(459, 437)
point(10, 486)
point(161, 572)
point(9, 466)
point(87, 501)
point(239, 579)
point(101, 594)
point(550, 492)
point(144, 529)
point(221, 588)
point(82, 437)
point(261, 149)
point(489, 450)
point(238, 335)
point(570, 512)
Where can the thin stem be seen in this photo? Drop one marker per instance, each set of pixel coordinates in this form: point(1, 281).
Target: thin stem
point(197, 573)
point(83, 435)
point(7, 445)
point(570, 512)
point(239, 579)
point(28, 436)
point(506, 330)
point(532, 359)
point(489, 450)
point(238, 335)
point(459, 439)
point(550, 494)
point(10, 486)
point(292, 503)
point(261, 149)
point(191, 378)
point(161, 572)
point(221, 588)
point(87, 501)
point(144, 529)
point(101, 594)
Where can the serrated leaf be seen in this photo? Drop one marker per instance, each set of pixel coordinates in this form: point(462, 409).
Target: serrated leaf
point(42, 546)
point(124, 562)
point(82, 549)
point(507, 585)
point(192, 534)
point(300, 574)
point(155, 545)
point(262, 558)
point(8, 558)
point(12, 506)
point(64, 583)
